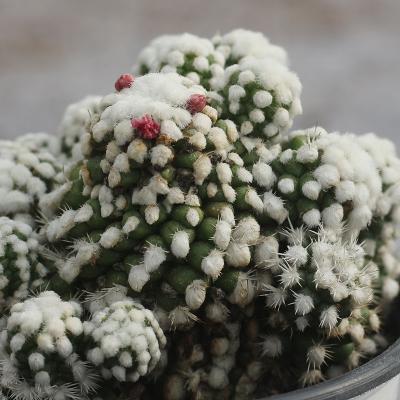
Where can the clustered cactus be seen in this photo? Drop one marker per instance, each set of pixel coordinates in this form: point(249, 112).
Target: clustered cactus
point(177, 241)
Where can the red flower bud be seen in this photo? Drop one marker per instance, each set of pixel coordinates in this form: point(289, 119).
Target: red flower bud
point(196, 103)
point(124, 81)
point(146, 127)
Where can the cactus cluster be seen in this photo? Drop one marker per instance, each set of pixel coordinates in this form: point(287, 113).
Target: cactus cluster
point(176, 241)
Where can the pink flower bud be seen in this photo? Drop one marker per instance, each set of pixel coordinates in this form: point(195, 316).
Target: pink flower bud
point(196, 103)
point(124, 81)
point(146, 127)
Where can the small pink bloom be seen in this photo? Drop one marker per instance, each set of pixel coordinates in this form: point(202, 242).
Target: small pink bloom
point(124, 81)
point(196, 103)
point(146, 126)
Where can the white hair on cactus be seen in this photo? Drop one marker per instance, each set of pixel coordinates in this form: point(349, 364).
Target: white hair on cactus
point(238, 255)
point(160, 155)
point(213, 264)
point(222, 236)
point(244, 290)
point(312, 217)
point(275, 208)
point(180, 245)
point(202, 168)
point(275, 296)
point(124, 329)
point(267, 252)
point(329, 318)
point(195, 294)
point(138, 277)
point(272, 346)
point(263, 175)
point(240, 43)
point(303, 303)
point(110, 237)
point(317, 355)
point(246, 231)
point(153, 257)
point(75, 123)
point(224, 172)
point(311, 189)
point(43, 318)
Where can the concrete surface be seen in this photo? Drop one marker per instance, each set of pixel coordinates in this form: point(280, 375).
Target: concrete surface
point(346, 53)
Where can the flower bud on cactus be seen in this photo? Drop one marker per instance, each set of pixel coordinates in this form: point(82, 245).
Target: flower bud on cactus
point(250, 80)
point(21, 269)
point(144, 211)
point(40, 351)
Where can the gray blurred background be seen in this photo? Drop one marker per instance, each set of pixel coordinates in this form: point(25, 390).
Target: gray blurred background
point(346, 52)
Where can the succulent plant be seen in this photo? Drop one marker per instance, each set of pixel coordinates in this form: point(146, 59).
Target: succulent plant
point(74, 124)
point(39, 142)
point(381, 236)
point(21, 265)
point(26, 174)
point(124, 341)
point(186, 54)
point(319, 298)
point(241, 43)
point(249, 78)
point(39, 350)
point(329, 179)
point(260, 95)
point(160, 185)
point(215, 254)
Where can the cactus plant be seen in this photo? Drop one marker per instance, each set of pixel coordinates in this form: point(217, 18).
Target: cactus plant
point(163, 187)
point(249, 78)
point(39, 142)
point(21, 264)
point(39, 350)
point(124, 341)
point(74, 124)
point(193, 247)
point(26, 174)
